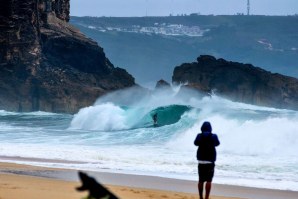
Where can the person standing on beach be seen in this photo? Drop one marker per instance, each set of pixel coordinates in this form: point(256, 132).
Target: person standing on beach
point(206, 155)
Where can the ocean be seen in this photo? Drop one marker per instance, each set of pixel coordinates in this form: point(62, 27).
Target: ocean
point(259, 145)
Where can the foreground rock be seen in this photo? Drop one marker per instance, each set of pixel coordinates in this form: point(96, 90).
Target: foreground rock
point(239, 82)
point(48, 65)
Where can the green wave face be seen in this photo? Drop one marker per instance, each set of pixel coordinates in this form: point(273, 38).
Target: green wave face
point(166, 115)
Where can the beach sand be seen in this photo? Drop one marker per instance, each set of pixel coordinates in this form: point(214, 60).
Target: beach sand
point(30, 182)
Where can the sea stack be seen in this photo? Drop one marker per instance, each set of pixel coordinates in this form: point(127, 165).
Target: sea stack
point(239, 82)
point(48, 65)
point(162, 84)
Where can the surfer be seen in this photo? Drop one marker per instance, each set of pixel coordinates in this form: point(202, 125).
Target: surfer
point(206, 155)
point(154, 117)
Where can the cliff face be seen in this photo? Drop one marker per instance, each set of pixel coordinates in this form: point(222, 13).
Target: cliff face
point(48, 65)
point(239, 82)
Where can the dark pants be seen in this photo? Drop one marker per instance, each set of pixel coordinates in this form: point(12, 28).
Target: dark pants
point(206, 172)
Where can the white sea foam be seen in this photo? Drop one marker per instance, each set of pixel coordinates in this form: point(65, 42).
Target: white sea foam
point(36, 113)
point(271, 136)
point(103, 117)
point(4, 113)
point(258, 144)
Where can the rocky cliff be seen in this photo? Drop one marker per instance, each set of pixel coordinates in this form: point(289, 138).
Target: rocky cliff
point(48, 65)
point(239, 82)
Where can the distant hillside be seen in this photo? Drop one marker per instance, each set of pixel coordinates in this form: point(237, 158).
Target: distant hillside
point(150, 47)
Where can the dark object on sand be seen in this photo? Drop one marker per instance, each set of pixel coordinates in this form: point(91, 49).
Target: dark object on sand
point(96, 190)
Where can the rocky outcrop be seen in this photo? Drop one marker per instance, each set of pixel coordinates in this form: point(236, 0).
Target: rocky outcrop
point(162, 84)
point(239, 82)
point(48, 65)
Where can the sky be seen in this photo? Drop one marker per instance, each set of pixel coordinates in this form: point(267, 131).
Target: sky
point(127, 8)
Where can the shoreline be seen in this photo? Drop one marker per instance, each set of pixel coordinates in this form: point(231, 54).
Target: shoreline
point(58, 164)
point(137, 182)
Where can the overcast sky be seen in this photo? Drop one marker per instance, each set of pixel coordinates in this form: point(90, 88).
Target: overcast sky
point(167, 7)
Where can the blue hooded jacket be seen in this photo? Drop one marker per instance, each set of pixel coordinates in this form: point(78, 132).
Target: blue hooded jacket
point(206, 142)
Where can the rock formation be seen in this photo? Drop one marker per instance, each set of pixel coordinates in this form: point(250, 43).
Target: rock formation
point(239, 82)
point(48, 65)
point(162, 84)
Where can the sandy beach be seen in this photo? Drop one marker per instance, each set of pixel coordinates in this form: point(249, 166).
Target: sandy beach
point(30, 182)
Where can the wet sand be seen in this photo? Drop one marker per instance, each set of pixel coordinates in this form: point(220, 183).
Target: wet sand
point(30, 182)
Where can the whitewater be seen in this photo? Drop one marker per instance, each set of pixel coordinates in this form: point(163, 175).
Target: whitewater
point(258, 144)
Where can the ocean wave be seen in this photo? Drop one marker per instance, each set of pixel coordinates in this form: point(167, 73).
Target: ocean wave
point(257, 143)
point(35, 113)
point(110, 117)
